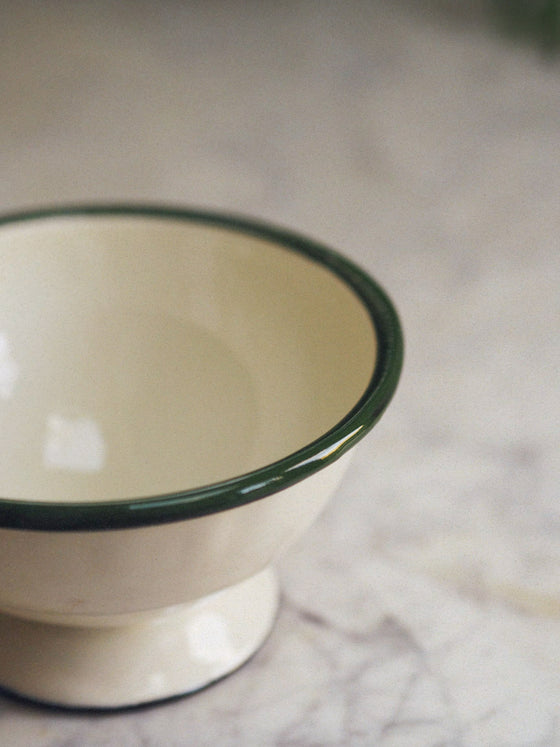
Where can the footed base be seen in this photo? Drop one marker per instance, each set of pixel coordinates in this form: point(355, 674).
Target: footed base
point(175, 651)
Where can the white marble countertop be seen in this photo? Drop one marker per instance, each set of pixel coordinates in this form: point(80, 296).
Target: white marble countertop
point(423, 608)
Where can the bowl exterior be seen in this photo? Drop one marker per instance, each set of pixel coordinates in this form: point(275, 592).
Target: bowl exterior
point(107, 576)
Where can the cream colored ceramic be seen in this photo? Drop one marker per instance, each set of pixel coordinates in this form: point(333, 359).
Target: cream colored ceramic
point(178, 394)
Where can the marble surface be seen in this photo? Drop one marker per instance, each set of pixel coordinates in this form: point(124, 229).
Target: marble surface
point(423, 608)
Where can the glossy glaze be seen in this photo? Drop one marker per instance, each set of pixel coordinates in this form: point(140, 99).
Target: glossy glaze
point(98, 577)
point(153, 353)
point(179, 392)
point(157, 656)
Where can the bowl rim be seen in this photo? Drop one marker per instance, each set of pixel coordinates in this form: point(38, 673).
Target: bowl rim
point(270, 478)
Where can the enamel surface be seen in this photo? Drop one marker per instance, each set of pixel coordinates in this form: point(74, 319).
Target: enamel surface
point(173, 651)
point(145, 354)
point(98, 578)
point(141, 355)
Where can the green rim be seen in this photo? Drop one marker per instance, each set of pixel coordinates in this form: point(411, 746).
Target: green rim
point(271, 478)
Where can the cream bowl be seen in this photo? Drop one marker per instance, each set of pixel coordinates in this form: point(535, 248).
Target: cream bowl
point(179, 394)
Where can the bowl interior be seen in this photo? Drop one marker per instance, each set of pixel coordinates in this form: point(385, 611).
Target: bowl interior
point(142, 355)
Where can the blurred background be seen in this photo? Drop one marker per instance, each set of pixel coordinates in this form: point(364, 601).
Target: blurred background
point(422, 139)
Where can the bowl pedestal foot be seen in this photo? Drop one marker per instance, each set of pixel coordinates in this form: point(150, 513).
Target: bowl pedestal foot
point(170, 652)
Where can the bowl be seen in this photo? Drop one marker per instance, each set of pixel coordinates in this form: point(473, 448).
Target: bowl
point(180, 391)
